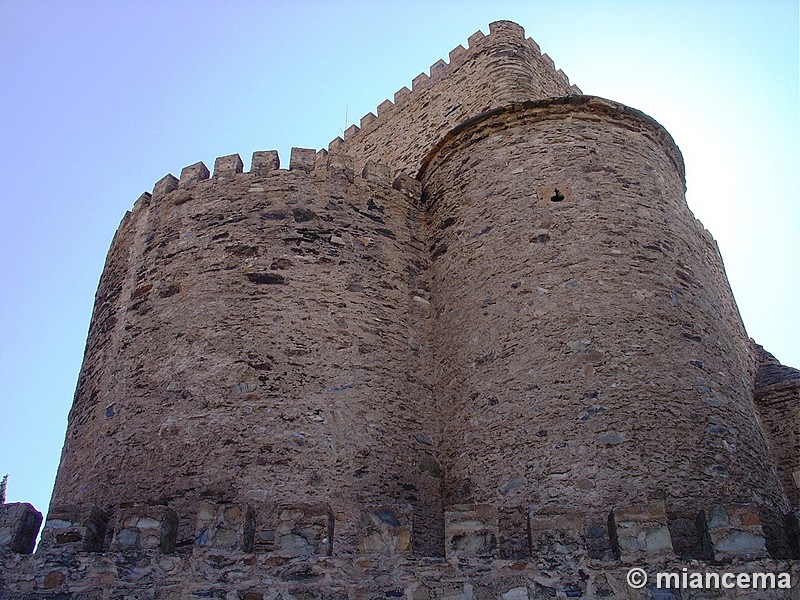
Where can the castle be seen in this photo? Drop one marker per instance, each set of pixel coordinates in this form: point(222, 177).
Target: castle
point(477, 348)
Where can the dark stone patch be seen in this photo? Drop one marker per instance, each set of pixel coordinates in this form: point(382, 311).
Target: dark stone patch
point(438, 251)
point(266, 278)
point(242, 250)
point(302, 215)
point(447, 223)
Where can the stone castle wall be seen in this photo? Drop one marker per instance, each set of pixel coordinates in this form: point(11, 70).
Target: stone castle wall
point(578, 320)
point(480, 348)
point(260, 336)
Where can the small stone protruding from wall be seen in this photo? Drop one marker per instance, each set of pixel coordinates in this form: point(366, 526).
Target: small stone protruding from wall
point(376, 173)
point(19, 526)
point(193, 174)
point(74, 527)
point(228, 165)
point(386, 530)
point(225, 525)
point(143, 528)
point(168, 183)
point(411, 187)
point(265, 161)
point(471, 530)
point(640, 534)
point(732, 531)
point(555, 530)
point(302, 159)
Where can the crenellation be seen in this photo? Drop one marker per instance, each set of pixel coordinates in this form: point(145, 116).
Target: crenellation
point(302, 159)
point(165, 185)
point(19, 526)
point(193, 174)
point(401, 95)
point(225, 526)
point(534, 46)
point(548, 61)
point(336, 144)
point(264, 162)
point(456, 55)
point(731, 532)
point(475, 39)
point(225, 166)
point(367, 119)
point(418, 82)
point(439, 69)
point(351, 131)
point(141, 529)
point(142, 201)
point(640, 535)
point(74, 528)
point(384, 107)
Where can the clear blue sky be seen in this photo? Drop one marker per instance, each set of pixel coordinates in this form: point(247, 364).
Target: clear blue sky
point(98, 100)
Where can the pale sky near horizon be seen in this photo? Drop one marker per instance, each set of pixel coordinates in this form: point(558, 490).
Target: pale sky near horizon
point(98, 100)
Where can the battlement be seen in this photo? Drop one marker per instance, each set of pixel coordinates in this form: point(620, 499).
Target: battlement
point(319, 163)
point(494, 69)
point(247, 550)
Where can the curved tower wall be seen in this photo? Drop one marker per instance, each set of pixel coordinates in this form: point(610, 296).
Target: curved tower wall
point(589, 352)
point(258, 338)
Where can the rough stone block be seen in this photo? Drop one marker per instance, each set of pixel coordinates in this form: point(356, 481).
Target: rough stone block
point(732, 531)
point(555, 531)
point(225, 525)
point(409, 186)
point(193, 174)
point(302, 159)
point(471, 530)
point(640, 534)
point(168, 183)
point(264, 161)
point(340, 165)
point(74, 527)
point(228, 165)
point(386, 530)
point(145, 529)
point(298, 530)
point(376, 173)
point(19, 526)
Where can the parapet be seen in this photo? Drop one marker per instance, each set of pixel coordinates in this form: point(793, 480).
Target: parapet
point(318, 163)
point(494, 69)
point(638, 534)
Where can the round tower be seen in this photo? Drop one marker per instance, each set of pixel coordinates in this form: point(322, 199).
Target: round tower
point(257, 338)
point(589, 350)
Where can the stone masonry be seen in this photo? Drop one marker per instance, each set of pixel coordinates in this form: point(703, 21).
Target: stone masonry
point(478, 348)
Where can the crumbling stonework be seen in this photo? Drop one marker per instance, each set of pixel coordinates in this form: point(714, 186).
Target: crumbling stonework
point(479, 348)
